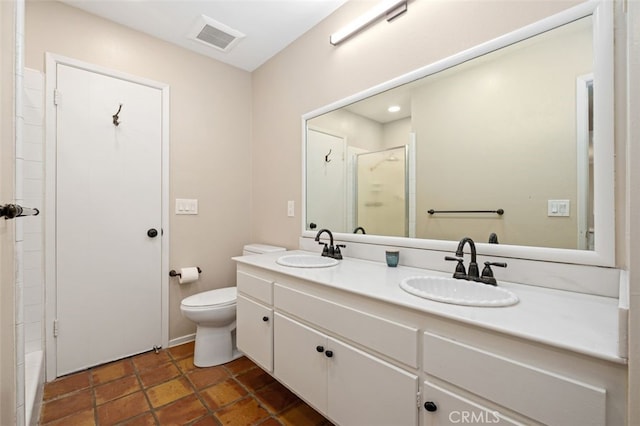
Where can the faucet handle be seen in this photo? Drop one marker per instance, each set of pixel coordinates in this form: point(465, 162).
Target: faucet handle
point(487, 273)
point(337, 254)
point(325, 250)
point(460, 272)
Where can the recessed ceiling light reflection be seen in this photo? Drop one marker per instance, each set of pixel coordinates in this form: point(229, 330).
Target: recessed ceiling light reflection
point(394, 108)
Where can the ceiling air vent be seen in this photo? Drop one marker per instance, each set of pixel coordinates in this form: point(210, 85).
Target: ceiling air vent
point(215, 34)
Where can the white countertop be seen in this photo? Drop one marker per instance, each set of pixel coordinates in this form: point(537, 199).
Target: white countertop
point(577, 322)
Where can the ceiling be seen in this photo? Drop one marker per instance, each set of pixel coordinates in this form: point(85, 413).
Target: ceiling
point(268, 25)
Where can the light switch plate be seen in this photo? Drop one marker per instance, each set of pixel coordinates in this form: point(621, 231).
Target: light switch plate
point(290, 208)
point(558, 208)
point(186, 206)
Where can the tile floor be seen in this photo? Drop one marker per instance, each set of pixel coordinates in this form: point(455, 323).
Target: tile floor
point(167, 389)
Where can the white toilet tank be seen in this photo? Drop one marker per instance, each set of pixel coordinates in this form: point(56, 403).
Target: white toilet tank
point(260, 249)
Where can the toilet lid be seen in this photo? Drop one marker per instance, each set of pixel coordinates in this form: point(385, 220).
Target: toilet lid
point(219, 297)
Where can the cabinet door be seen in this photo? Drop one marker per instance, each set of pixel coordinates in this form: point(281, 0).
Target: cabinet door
point(364, 390)
point(448, 408)
point(300, 361)
point(254, 331)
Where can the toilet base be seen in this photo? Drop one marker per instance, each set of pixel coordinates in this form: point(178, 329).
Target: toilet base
point(215, 346)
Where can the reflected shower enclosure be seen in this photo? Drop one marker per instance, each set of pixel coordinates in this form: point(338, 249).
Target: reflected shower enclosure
point(381, 195)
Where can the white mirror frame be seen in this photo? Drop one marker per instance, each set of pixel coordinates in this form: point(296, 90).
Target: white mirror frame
point(604, 197)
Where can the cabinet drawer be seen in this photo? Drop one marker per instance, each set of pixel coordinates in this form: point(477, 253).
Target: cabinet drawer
point(542, 395)
point(452, 408)
point(392, 339)
point(256, 287)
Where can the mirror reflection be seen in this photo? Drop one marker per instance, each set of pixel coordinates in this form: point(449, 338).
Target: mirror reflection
point(510, 131)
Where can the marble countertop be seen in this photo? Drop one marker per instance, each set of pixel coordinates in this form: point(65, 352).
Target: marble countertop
point(577, 322)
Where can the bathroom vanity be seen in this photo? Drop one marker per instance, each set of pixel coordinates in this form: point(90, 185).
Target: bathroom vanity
point(350, 342)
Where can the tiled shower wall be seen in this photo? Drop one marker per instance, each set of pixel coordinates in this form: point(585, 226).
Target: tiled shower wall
point(33, 196)
point(29, 248)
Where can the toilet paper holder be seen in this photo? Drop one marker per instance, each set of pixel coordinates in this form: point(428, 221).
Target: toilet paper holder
point(173, 273)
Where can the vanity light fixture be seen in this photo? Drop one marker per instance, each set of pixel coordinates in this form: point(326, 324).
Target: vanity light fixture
point(391, 8)
point(393, 108)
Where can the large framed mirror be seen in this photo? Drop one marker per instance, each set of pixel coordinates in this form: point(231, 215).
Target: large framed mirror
point(510, 143)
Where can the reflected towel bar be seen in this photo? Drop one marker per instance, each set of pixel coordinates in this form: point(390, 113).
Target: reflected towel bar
point(499, 211)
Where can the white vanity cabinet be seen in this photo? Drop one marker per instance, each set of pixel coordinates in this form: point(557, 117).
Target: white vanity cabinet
point(362, 360)
point(254, 331)
point(349, 385)
point(515, 384)
point(447, 407)
point(254, 319)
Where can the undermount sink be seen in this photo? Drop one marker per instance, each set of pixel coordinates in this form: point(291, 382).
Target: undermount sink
point(306, 261)
point(458, 292)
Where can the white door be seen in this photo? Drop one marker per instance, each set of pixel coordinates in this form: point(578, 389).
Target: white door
point(108, 197)
point(326, 182)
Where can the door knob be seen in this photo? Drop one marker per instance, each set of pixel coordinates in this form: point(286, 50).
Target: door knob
point(430, 406)
point(152, 233)
point(328, 354)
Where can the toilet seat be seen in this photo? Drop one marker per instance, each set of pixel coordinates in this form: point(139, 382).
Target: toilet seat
point(212, 298)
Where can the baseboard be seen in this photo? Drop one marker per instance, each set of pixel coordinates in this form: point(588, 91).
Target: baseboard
point(182, 340)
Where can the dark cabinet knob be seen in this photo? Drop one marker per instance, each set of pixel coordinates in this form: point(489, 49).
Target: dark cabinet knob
point(329, 354)
point(320, 348)
point(265, 319)
point(152, 233)
point(430, 406)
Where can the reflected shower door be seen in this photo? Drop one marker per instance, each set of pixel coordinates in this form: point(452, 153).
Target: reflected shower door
point(381, 194)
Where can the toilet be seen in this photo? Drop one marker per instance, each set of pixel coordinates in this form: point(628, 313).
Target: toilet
point(214, 313)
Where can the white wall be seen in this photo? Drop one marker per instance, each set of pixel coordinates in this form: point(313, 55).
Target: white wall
point(210, 132)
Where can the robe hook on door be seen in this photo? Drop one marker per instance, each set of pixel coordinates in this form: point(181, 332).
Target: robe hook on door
point(116, 118)
point(326, 157)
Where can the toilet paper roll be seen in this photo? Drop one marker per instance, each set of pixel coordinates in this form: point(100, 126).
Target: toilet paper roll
point(188, 275)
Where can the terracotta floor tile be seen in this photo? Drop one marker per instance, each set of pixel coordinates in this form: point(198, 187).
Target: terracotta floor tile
point(222, 394)
point(66, 384)
point(169, 391)
point(166, 389)
point(145, 419)
point(150, 359)
point(302, 415)
point(122, 409)
point(116, 389)
point(255, 379)
point(182, 411)
point(239, 365)
point(276, 397)
point(243, 413)
point(159, 374)
point(270, 422)
point(206, 421)
point(81, 418)
point(203, 377)
point(112, 371)
point(186, 364)
point(69, 404)
point(182, 351)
